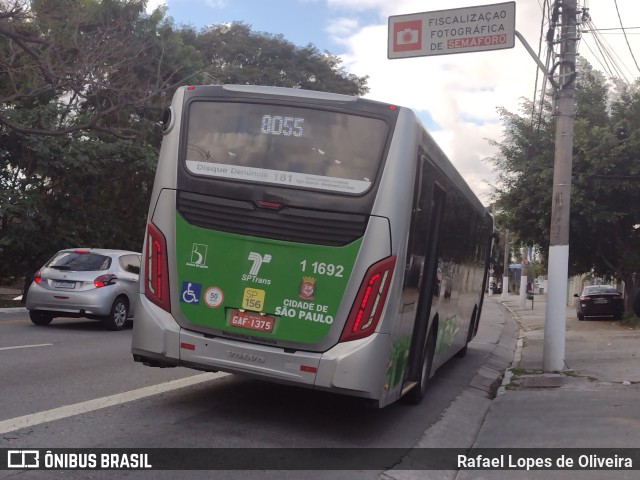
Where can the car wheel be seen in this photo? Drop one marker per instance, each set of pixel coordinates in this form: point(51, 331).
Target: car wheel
point(417, 393)
point(117, 318)
point(38, 317)
point(580, 316)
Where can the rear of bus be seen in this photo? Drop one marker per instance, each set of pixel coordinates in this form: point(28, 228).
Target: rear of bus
point(264, 254)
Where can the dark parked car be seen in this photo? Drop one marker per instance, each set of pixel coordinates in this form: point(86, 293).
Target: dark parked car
point(599, 301)
point(86, 282)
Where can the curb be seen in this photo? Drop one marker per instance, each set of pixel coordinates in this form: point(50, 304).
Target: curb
point(517, 354)
point(13, 310)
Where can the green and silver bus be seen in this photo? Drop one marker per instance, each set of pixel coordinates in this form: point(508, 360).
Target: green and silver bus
point(308, 238)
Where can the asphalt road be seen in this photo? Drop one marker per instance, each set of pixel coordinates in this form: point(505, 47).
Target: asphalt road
point(74, 385)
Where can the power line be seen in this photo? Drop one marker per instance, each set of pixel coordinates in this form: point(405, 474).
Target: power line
point(605, 55)
point(625, 35)
point(613, 28)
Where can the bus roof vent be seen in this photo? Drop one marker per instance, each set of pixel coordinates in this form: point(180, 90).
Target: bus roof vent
point(291, 92)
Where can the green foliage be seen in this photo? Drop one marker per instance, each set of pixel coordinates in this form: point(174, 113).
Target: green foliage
point(605, 198)
point(84, 84)
point(629, 319)
point(90, 191)
point(236, 55)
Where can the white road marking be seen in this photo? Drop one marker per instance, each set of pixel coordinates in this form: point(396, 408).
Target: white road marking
point(27, 346)
point(38, 418)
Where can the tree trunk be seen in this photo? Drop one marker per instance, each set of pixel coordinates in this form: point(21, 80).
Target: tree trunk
point(629, 291)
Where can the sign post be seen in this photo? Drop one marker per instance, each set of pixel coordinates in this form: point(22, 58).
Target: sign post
point(459, 30)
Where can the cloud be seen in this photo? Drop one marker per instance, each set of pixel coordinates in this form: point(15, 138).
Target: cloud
point(457, 96)
point(358, 5)
point(460, 93)
point(340, 29)
point(175, 4)
point(216, 3)
point(153, 4)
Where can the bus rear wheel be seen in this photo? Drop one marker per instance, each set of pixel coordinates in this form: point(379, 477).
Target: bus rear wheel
point(473, 327)
point(417, 393)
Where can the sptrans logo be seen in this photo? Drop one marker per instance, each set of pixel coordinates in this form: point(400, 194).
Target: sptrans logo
point(257, 260)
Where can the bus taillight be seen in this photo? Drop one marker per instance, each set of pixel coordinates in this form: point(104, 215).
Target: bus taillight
point(156, 286)
point(366, 310)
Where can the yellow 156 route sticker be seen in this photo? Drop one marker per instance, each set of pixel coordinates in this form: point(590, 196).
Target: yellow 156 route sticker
point(253, 299)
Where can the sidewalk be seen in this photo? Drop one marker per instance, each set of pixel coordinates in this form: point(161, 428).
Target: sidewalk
point(10, 293)
point(593, 403)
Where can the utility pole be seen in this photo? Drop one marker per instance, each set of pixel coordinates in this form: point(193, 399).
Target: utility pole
point(505, 272)
point(555, 314)
point(524, 270)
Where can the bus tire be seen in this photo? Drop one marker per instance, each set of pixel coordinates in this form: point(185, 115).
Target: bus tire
point(470, 334)
point(417, 393)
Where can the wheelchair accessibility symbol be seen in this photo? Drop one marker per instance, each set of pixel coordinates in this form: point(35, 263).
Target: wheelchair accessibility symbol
point(190, 292)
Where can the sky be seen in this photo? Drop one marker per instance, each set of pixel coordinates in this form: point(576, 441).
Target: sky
point(457, 96)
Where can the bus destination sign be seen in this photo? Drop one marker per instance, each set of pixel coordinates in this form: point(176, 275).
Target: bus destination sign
point(459, 30)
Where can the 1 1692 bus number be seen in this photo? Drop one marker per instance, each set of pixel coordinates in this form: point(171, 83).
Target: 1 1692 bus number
point(321, 268)
point(277, 125)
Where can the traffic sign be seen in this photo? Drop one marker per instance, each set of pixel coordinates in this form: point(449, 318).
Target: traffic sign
point(458, 30)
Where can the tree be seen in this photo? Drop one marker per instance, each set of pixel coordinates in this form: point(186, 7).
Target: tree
point(76, 199)
point(85, 87)
point(605, 200)
point(83, 78)
point(235, 54)
point(72, 65)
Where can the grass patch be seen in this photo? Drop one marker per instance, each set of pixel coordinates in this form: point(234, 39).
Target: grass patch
point(629, 319)
point(519, 372)
point(6, 303)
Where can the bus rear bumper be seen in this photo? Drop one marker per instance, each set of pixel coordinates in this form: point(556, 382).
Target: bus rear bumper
point(356, 368)
point(235, 356)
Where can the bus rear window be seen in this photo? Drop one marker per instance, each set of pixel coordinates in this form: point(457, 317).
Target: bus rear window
point(285, 145)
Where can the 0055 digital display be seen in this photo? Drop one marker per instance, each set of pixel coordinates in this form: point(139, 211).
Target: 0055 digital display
point(288, 145)
point(279, 125)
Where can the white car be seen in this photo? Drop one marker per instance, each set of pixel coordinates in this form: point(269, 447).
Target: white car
point(86, 282)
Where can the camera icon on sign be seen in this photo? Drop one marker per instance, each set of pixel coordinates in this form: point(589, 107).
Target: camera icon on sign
point(407, 36)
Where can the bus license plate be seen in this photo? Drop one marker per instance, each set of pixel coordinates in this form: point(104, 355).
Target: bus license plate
point(251, 321)
point(59, 284)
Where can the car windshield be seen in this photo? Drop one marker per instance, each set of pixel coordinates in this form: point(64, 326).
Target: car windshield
point(79, 261)
point(598, 290)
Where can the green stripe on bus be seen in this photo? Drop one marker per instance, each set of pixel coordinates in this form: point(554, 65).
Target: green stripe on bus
point(238, 284)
